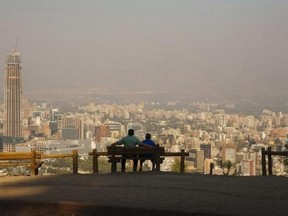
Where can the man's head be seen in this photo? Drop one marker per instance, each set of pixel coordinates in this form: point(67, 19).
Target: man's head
point(131, 132)
point(148, 136)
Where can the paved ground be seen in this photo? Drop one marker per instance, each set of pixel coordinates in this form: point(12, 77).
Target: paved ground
point(147, 193)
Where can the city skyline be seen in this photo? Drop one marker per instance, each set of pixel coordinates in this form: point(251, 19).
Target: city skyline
point(223, 48)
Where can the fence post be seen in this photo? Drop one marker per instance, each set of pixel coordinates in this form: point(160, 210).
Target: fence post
point(33, 162)
point(75, 161)
point(95, 161)
point(269, 161)
point(113, 159)
point(264, 173)
point(157, 158)
point(182, 161)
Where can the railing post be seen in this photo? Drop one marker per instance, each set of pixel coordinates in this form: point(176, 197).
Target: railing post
point(95, 161)
point(75, 161)
point(182, 161)
point(211, 168)
point(33, 162)
point(269, 161)
point(157, 159)
point(263, 155)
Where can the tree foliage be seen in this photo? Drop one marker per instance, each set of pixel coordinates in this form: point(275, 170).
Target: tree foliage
point(175, 167)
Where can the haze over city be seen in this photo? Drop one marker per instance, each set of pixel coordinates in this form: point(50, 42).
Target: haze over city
point(204, 48)
point(176, 93)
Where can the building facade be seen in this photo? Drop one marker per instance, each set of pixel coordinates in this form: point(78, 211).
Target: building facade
point(12, 96)
point(207, 150)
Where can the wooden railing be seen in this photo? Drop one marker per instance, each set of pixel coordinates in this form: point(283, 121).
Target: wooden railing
point(95, 161)
point(269, 153)
point(74, 155)
point(182, 156)
point(95, 154)
point(22, 159)
point(34, 159)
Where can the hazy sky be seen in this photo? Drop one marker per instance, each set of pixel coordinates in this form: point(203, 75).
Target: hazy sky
point(223, 46)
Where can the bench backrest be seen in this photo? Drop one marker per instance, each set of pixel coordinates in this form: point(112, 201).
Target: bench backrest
point(119, 150)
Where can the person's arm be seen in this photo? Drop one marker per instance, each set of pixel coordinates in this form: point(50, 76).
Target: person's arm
point(149, 146)
point(119, 142)
point(144, 144)
point(113, 144)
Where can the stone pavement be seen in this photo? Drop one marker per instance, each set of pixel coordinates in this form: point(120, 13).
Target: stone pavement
point(146, 193)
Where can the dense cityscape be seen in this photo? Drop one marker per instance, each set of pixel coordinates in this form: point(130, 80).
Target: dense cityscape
point(212, 133)
point(157, 107)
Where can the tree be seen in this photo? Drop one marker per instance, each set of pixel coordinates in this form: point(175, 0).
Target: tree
point(277, 141)
point(226, 167)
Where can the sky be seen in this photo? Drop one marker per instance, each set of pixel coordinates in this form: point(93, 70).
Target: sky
point(210, 47)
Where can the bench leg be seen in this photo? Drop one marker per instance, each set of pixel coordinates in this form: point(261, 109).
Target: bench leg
point(113, 167)
point(141, 164)
point(123, 164)
point(153, 165)
point(135, 164)
point(157, 166)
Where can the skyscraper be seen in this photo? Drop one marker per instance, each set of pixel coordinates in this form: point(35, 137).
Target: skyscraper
point(207, 150)
point(12, 95)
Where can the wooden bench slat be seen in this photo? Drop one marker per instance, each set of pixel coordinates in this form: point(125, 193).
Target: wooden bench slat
point(175, 154)
point(118, 150)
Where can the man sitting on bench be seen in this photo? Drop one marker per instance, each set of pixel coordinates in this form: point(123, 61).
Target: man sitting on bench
point(128, 141)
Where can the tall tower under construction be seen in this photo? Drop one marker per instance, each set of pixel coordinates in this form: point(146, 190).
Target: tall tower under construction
point(12, 95)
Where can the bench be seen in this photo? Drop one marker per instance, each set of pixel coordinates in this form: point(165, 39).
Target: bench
point(31, 159)
point(116, 153)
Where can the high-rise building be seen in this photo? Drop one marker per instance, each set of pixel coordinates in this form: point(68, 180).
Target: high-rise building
point(12, 95)
point(101, 131)
point(207, 150)
point(248, 168)
point(72, 127)
point(229, 153)
point(196, 159)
